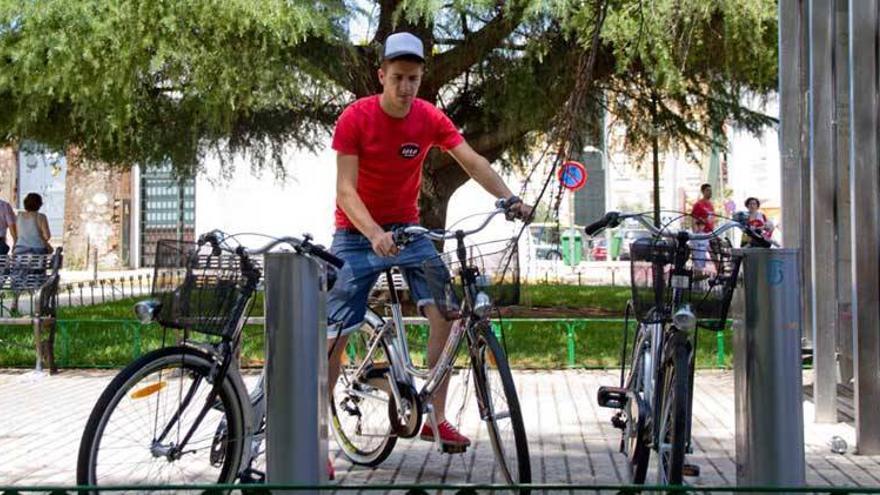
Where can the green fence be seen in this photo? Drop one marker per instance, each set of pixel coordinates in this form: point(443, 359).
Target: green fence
point(529, 343)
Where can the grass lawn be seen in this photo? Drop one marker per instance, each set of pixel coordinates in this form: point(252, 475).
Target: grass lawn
point(106, 335)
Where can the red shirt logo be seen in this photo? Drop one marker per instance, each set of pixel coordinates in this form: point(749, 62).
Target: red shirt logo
point(409, 150)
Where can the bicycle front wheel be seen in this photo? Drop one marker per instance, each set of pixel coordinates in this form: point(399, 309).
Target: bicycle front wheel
point(634, 440)
point(499, 408)
point(672, 435)
point(135, 433)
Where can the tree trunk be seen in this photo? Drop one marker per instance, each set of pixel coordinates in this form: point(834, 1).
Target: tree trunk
point(441, 176)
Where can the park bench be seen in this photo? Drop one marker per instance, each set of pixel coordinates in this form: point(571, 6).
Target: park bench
point(32, 281)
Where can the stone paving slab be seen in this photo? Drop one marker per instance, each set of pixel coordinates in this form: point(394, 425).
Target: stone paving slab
point(570, 438)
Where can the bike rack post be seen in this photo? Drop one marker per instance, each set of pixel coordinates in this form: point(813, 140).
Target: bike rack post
point(767, 371)
point(296, 371)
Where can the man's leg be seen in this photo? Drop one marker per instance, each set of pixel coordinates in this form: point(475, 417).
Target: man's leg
point(436, 341)
point(337, 348)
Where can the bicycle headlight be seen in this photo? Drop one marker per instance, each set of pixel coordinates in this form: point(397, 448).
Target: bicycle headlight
point(684, 319)
point(146, 311)
point(482, 304)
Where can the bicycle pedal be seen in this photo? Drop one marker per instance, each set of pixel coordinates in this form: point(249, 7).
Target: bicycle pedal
point(618, 421)
point(453, 449)
point(690, 470)
point(613, 397)
point(252, 476)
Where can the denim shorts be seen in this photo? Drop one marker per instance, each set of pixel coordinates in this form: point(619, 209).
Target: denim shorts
point(347, 301)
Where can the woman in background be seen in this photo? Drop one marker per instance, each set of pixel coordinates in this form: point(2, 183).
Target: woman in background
point(757, 221)
point(33, 228)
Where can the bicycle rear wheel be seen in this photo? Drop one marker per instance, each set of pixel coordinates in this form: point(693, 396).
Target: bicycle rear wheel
point(499, 408)
point(143, 415)
point(360, 405)
point(672, 435)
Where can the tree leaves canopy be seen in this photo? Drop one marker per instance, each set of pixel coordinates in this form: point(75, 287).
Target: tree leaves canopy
point(146, 81)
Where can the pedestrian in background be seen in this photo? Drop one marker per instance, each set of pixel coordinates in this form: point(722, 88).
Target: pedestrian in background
point(757, 221)
point(33, 228)
point(7, 222)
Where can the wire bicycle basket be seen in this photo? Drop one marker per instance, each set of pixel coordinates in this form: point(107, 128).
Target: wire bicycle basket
point(199, 290)
point(496, 265)
point(707, 281)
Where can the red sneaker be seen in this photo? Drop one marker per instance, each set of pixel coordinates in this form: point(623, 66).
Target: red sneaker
point(331, 473)
point(448, 435)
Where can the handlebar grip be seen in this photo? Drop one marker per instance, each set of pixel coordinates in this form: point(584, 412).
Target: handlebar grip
point(325, 255)
point(609, 219)
point(757, 239)
point(400, 237)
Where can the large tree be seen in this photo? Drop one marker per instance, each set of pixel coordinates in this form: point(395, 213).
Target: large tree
point(150, 81)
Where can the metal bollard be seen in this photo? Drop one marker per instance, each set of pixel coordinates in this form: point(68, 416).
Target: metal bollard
point(767, 371)
point(296, 371)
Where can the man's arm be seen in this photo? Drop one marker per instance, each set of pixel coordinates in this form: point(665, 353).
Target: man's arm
point(351, 203)
point(479, 169)
point(10, 223)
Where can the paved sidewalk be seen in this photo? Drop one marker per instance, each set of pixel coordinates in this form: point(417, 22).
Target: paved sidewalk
point(570, 438)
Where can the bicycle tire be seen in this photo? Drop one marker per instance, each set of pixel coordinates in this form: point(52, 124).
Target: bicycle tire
point(672, 434)
point(347, 411)
point(491, 374)
point(634, 437)
point(133, 396)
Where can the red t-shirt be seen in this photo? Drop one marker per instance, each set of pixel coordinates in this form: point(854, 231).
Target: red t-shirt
point(704, 211)
point(390, 154)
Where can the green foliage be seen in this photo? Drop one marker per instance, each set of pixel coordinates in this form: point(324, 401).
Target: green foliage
point(685, 67)
point(152, 81)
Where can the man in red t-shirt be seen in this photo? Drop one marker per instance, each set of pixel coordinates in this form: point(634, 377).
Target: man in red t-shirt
point(703, 214)
point(381, 142)
point(704, 211)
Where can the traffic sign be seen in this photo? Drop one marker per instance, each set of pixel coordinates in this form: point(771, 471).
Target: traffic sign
point(573, 175)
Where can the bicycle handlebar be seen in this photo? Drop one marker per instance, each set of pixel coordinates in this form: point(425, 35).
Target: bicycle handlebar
point(404, 235)
point(614, 218)
point(216, 239)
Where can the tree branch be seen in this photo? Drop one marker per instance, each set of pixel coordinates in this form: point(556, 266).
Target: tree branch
point(449, 64)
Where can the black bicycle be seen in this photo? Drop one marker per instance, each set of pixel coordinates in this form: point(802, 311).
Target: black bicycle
point(182, 413)
point(676, 289)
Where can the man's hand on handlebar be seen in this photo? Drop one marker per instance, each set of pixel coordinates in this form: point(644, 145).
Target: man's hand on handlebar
point(516, 209)
point(383, 244)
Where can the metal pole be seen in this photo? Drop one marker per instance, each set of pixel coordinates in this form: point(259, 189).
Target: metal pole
point(792, 112)
point(767, 372)
point(296, 371)
point(823, 297)
point(864, 193)
point(844, 229)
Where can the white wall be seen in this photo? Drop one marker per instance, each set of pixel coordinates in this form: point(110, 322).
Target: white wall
point(250, 203)
point(306, 201)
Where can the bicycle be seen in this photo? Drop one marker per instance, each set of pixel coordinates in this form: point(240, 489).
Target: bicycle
point(376, 400)
point(183, 413)
point(674, 292)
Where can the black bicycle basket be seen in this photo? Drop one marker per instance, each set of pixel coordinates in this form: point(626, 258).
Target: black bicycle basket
point(651, 260)
point(497, 271)
point(199, 290)
point(713, 283)
point(707, 280)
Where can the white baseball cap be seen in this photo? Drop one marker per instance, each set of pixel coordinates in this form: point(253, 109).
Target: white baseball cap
point(403, 44)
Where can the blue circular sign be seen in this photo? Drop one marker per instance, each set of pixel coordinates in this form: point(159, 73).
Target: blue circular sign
point(572, 175)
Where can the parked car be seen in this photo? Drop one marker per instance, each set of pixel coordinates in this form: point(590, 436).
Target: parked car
point(628, 236)
point(599, 250)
